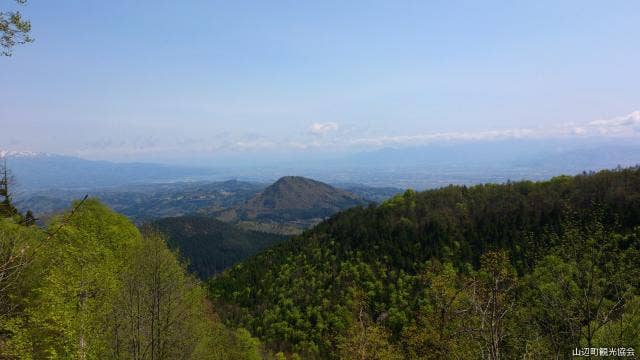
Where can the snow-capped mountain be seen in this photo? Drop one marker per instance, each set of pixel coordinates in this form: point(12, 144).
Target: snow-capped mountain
point(21, 154)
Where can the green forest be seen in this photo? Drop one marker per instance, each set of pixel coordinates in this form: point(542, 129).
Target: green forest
point(211, 245)
point(92, 286)
point(522, 270)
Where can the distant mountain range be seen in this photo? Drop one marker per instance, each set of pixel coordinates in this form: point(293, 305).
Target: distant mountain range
point(37, 171)
point(417, 167)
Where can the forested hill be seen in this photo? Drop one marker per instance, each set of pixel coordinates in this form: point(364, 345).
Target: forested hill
point(296, 192)
point(294, 202)
point(211, 245)
point(409, 278)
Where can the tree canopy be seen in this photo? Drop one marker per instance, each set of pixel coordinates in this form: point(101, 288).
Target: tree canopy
point(523, 269)
point(95, 287)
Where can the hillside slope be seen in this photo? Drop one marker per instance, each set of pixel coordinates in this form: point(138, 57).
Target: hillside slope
point(309, 294)
point(210, 245)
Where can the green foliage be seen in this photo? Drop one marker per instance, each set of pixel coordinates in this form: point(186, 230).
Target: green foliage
point(226, 344)
point(14, 30)
point(364, 340)
point(577, 290)
point(17, 246)
point(430, 265)
point(94, 288)
point(159, 307)
point(211, 245)
point(435, 332)
point(520, 270)
point(623, 331)
point(72, 296)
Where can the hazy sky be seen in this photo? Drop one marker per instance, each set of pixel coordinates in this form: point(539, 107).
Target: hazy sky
point(142, 79)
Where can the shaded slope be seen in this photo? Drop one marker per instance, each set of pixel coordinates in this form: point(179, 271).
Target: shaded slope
point(211, 245)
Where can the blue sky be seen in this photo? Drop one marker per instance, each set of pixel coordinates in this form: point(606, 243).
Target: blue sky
point(136, 80)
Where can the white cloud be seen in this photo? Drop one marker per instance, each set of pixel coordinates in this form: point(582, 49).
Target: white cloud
point(331, 136)
point(627, 126)
point(321, 129)
point(16, 153)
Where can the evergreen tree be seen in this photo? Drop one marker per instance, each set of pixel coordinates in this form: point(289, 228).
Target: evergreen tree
point(7, 210)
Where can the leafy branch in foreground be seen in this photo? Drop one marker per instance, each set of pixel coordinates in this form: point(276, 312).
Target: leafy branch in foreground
point(14, 30)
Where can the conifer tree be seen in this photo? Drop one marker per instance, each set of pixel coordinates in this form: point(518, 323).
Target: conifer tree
point(7, 210)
